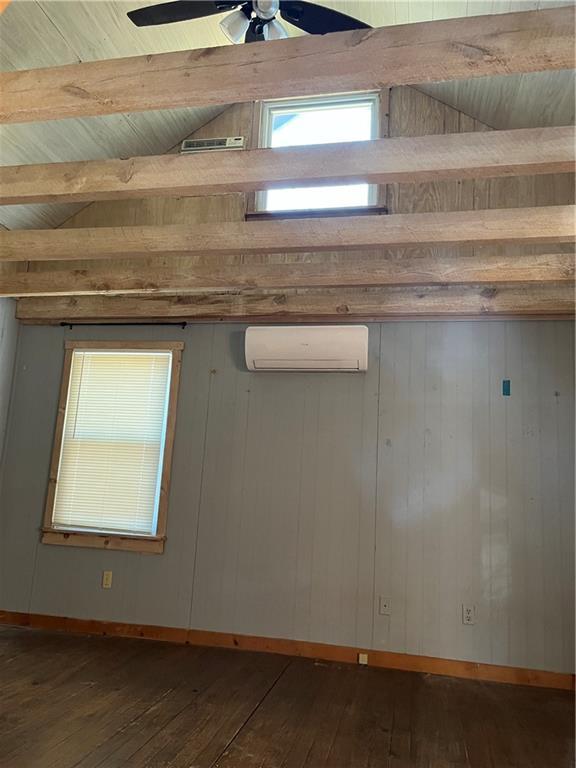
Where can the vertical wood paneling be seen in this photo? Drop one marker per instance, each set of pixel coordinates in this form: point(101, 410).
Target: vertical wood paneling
point(8, 336)
point(549, 527)
point(249, 484)
point(471, 507)
point(392, 508)
point(290, 520)
point(298, 499)
point(24, 478)
point(412, 413)
point(517, 609)
point(498, 556)
point(433, 554)
point(564, 479)
point(533, 435)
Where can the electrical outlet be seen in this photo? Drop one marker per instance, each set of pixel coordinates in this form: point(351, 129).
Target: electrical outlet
point(363, 658)
point(384, 606)
point(468, 614)
point(106, 579)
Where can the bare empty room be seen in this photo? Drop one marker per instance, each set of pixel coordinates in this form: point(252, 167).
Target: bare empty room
point(287, 383)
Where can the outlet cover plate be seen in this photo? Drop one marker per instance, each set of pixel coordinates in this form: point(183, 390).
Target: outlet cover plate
point(384, 606)
point(106, 579)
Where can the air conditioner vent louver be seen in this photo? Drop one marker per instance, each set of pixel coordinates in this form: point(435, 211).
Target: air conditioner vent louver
point(341, 348)
point(204, 145)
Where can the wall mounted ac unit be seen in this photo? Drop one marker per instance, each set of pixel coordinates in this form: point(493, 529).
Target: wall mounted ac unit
point(307, 348)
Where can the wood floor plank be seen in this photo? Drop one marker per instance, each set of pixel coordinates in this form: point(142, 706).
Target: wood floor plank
point(132, 737)
point(321, 715)
point(401, 736)
point(92, 697)
point(531, 727)
point(438, 738)
point(147, 719)
point(199, 734)
point(364, 734)
point(450, 717)
point(481, 733)
point(123, 703)
point(64, 674)
point(304, 695)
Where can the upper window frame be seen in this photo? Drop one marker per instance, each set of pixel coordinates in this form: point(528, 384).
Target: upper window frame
point(105, 540)
point(264, 134)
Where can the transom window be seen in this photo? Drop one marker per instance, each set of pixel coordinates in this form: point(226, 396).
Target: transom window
point(112, 448)
point(323, 120)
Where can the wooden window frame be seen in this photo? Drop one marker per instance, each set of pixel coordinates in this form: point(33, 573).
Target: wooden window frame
point(260, 137)
point(378, 207)
point(114, 541)
point(318, 213)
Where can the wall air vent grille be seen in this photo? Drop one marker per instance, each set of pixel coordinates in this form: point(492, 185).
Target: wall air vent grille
point(204, 145)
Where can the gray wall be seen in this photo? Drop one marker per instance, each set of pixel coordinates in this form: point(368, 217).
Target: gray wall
point(298, 499)
point(8, 336)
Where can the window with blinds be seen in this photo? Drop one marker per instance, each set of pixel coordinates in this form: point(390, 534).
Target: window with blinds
point(113, 442)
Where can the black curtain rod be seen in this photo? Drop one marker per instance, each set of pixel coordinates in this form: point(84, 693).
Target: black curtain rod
point(127, 322)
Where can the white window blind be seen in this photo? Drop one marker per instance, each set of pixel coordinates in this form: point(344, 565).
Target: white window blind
point(113, 442)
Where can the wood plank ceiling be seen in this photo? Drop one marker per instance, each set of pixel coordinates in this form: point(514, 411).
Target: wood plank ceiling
point(47, 33)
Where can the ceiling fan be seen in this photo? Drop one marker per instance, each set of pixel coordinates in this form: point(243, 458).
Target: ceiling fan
point(250, 21)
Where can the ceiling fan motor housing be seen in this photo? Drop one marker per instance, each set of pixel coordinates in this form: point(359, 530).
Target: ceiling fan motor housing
point(266, 9)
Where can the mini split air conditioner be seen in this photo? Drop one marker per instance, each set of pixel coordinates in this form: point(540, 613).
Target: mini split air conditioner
point(341, 348)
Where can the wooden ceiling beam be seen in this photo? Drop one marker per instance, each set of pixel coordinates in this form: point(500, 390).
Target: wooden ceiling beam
point(546, 224)
point(425, 158)
point(359, 271)
point(370, 59)
point(337, 305)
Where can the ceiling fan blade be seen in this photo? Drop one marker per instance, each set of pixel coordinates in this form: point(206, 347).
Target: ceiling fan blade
point(317, 19)
point(179, 10)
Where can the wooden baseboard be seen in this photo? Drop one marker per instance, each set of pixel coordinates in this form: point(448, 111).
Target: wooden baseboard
point(386, 659)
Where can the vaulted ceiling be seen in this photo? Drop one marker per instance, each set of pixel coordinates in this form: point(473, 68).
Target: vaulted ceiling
point(43, 33)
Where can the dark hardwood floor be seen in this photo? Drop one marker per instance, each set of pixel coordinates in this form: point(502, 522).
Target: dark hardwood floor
point(87, 702)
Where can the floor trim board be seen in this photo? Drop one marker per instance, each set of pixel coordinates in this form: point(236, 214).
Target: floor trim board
point(386, 659)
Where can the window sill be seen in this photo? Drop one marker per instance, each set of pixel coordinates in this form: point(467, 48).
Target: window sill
point(317, 213)
point(153, 545)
